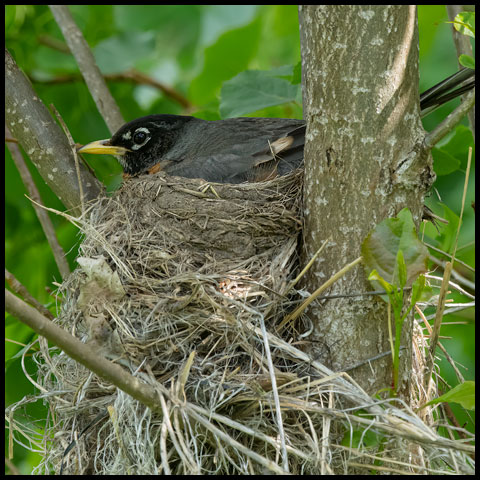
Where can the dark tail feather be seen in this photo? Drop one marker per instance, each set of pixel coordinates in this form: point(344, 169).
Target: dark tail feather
point(441, 93)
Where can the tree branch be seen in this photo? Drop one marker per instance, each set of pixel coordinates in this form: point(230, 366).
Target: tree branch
point(42, 215)
point(432, 138)
point(463, 46)
point(106, 104)
point(131, 76)
point(20, 289)
point(81, 352)
point(42, 139)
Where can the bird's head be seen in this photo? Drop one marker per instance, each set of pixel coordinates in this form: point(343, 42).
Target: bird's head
point(141, 143)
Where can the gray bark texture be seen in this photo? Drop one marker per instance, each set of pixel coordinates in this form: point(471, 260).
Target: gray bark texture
point(364, 162)
point(43, 141)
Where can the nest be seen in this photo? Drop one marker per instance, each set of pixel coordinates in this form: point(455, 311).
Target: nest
point(185, 285)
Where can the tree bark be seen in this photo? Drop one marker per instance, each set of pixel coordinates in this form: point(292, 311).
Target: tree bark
point(364, 162)
point(43, 140)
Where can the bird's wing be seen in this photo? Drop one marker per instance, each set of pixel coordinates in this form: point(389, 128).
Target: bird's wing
point(283, 154)
point(247, 164)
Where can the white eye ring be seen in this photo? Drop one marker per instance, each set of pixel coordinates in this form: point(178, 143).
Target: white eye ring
point(136, 137)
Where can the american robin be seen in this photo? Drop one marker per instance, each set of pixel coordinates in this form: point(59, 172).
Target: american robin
point(226, 151)
point(234, 150)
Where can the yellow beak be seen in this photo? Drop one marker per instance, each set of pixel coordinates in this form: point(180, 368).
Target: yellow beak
point(102, 147)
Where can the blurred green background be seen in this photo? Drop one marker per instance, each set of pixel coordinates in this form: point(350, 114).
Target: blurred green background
point(221, 61)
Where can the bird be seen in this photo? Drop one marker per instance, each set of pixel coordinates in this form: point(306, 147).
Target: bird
point(233, 150)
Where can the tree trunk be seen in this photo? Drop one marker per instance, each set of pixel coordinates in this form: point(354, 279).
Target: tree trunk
point(364, 162)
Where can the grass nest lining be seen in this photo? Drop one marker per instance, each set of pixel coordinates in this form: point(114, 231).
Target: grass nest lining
point(184, 285)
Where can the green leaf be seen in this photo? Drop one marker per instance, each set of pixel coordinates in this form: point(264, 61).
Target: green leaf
point(10, 11)
point(374, 276)
point(253, 90)
point(467, 61)
point(417, 289)
point(457, 144)
point(297, 74)
point(449, 232)
point(401, 270)
point(284, 71)
point(465, 23)
point(428, 17)
point(230, 55)
point(464, 394)
point(219, 19)
point(120, 52)
point(157, 18)
point(381, 246)
point(362, 438)
point(443, 162)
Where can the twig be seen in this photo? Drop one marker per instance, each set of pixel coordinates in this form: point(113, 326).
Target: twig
point(131, 76)
point(439, 250)
point(465, 187)
point(106, 104)
point(43, 218)
point(81, 352)
point(20, 289)
point(463, 46)
point(452, 285)
point(442, 348)
point(74, 151)
point(458, 277)
point(307, 267)
point(53, 43)
point(318, 291)
point(443, 290)
point(138, 77)
point(368, 360)
point(432, 138)
point(273, 379)
point(358, 294)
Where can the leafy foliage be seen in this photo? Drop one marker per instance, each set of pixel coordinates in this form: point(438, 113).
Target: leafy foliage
point(463, 394)
point(395, 258)
point(382, 247)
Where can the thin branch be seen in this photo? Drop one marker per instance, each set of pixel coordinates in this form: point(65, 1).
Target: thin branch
point(140, 78)
point(20, 289)
point(53, 43)
point(74, 152)
point(81, 352)
point(432, 138)
point(444, 290)
point(368, 360)
point(457, 276)
point(450, 360)
point(131, 76)
point(106, 104)
point(463, 46)
point(314, 296)
point(42, 215)
point(446, 254)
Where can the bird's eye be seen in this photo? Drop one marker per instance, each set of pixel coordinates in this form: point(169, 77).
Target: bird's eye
point(139, 137)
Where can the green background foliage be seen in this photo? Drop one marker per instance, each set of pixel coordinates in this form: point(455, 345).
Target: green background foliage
point(225, 61)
